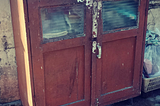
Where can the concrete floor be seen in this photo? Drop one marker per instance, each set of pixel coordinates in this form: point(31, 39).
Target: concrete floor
point(149, 99)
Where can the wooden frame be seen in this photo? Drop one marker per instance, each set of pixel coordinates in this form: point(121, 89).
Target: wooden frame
point(23, 54)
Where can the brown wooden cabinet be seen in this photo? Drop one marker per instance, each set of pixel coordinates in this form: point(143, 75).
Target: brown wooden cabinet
point(82, 53)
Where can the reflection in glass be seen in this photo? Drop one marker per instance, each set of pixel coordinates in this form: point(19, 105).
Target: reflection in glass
point(61, 23)
point(119, 14)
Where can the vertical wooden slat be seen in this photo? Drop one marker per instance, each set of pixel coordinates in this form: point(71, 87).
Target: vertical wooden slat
point(22, 57)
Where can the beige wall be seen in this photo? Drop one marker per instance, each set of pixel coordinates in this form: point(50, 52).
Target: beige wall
point(8, 69)
point(153, 18)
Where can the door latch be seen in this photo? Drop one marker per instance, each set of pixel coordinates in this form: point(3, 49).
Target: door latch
point(99, 51)
point(94, 45)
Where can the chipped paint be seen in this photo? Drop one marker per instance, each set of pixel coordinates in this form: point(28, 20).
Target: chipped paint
point(94, 47)
point(80, 0)
point(95, 22)
point(89, 3)
point(97, 7)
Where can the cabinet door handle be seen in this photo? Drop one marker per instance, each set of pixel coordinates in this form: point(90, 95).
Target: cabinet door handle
point(99, 50)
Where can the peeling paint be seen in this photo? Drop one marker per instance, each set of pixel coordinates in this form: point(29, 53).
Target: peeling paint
point(97, 7)
point(94, 47)
point(95, 22)
point(80, 0)
point(89, 3)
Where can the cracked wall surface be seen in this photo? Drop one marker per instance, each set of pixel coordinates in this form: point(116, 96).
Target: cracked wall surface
point(8, 70)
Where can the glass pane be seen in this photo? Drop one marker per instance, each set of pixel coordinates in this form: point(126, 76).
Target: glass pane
point(119, 14)
point(60, 23)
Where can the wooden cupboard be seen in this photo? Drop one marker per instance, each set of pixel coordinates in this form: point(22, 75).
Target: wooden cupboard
point(79, 52)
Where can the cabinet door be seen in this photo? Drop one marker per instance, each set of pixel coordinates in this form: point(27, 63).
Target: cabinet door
point(60, 31)
point(86, 53)
point(117, 72)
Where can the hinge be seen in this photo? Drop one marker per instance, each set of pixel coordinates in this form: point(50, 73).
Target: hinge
point(97, 102)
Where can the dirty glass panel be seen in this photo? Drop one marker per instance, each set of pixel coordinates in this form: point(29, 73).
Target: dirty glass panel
point(60, 23)
point(119, 14)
